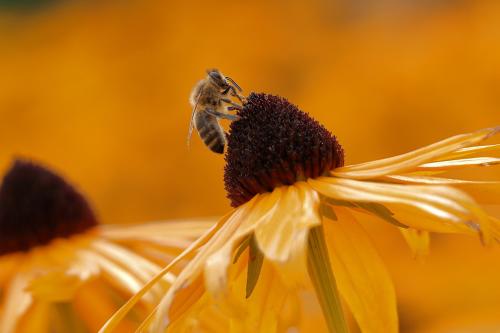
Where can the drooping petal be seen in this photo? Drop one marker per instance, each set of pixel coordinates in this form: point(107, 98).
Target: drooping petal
point(167, 233)
point(283, 238)
point(140, 267)
point(447, 209)
point(114, 274)
point(213, 314)
point(486, 192)
point(460, 163)
point(194, 268)
point(186, 296)
point(269, 307)
point(118, 316)
point(217, 263)
point(418, 241)
point(405, 162)
point(204, 316)
point(262, 310)
point(297, 211)
point(360, 273)
point(463, 152)
point(216, 270)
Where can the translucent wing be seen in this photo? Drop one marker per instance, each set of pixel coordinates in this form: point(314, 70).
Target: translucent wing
point(191, 124)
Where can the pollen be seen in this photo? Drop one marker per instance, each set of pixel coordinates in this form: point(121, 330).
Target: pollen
point(275, 144)
point(36, 206)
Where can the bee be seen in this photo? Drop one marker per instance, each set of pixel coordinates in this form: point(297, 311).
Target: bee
point(210, 99)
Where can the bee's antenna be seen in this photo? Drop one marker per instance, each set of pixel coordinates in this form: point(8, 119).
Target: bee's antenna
point(234, 83)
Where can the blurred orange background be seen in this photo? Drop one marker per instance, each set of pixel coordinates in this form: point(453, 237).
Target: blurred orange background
point(99, 91)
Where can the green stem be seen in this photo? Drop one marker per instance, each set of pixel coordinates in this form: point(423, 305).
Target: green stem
point(320, 271)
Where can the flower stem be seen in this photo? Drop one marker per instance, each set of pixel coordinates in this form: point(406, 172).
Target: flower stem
point(322, 277)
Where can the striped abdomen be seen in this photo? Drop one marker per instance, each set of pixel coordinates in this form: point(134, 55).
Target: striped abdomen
point(210, 131)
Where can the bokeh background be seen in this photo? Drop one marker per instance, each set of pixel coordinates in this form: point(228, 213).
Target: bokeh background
point(99, 91)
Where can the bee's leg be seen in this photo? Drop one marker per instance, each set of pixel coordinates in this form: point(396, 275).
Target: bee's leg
point(233, 106)
point(235, 94)
point(218, 114)
point(226, 91)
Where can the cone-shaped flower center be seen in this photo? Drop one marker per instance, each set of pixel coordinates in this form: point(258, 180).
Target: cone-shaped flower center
point(37, 206)
point(274, 144)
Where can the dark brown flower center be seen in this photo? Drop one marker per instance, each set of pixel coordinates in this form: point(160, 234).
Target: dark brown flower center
point(274, 144)
point(36, 206)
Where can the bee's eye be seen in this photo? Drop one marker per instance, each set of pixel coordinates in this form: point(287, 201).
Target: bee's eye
point(216, 76)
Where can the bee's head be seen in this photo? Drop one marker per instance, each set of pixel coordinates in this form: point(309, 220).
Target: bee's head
point(217, 78)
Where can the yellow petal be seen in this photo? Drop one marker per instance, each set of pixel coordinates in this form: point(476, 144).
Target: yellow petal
point(420, 220)
point(408, 161)
point(217, 254)
point(67, 268)
point(263, 308)
point(54, 286)
point(203, 317)
point(260, 212)
point(64, 318)
point(161, 232)
point(118, 316)
point(114, 274)
point(185, 297)
point(360, 273)
point(216, 269)
point(463, 152)
point(486, 192)
point(95, 302)
point(141, 268)
point(37, 319)
point(17, 302)
point(465, 162)
point(296, 211)
point(208, 314)
point(495, 227)
point(418, 241)
point(263, 311)
point(226, 231)
point(448, 209)
point(283, 238)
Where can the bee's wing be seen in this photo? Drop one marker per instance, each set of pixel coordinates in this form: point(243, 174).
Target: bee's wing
point(191, 124)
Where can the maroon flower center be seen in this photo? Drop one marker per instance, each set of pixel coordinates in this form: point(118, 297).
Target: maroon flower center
point(275, 144)
point(37, 206)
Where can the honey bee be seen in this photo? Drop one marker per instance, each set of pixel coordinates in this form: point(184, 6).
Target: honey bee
point(210, 99)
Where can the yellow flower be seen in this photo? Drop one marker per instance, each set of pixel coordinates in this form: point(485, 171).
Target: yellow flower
point(62, 272)
point(294, 225)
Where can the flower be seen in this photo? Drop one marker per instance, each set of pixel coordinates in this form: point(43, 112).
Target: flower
point(295, 225)
point(62, 271)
